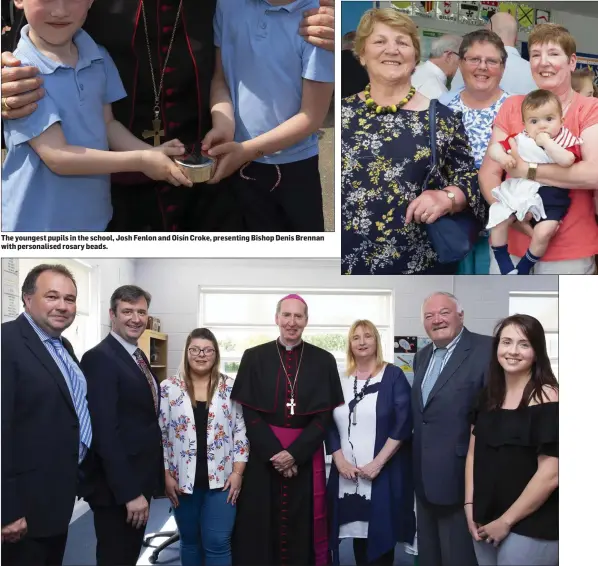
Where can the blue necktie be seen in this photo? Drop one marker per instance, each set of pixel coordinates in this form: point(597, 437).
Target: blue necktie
point(432, 376)
point(79, 401)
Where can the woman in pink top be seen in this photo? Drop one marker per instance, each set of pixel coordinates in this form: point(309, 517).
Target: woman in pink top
point(552, 58)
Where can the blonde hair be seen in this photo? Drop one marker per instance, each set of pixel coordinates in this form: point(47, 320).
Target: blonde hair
point(392, 18)
point(351, 363)
point(552, 33)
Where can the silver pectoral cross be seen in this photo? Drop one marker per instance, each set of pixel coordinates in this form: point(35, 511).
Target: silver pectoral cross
point(355, 414)
point(292, 405)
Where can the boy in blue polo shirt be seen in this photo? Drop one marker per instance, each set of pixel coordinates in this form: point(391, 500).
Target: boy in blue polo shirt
point(271, 92)
point(56, 176)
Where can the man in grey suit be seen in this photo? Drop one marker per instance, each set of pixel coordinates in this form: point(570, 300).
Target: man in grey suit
point(448, 374)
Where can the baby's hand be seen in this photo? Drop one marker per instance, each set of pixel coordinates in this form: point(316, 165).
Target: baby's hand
point(542, 139)
point(509, 162)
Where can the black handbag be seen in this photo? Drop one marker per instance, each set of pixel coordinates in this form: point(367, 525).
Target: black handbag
point(452, 236)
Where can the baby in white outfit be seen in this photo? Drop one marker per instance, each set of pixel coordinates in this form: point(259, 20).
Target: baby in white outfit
point(544, 140)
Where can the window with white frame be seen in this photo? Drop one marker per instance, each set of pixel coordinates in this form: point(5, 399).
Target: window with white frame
point(545, 307)
point(81, 334)
point(244, 317)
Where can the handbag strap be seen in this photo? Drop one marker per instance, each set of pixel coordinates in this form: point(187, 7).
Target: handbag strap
point(434, 164)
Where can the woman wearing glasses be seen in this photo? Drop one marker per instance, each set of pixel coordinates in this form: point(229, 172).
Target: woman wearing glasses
point(370, 489)
point(205, 451)
point(483, 57)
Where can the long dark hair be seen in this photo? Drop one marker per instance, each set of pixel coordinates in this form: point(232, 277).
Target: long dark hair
point(541, 371)
point(204, 334)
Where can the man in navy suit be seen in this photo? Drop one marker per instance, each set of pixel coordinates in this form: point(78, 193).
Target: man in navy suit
point(46, 427)
point(448, 375)
point(124, 399)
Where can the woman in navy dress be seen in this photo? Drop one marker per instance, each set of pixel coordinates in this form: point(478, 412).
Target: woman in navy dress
point(370, 489)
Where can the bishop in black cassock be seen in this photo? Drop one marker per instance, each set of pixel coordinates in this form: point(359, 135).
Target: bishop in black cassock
point(288, 393)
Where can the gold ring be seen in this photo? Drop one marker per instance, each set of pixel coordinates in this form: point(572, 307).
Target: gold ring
point(5, 106)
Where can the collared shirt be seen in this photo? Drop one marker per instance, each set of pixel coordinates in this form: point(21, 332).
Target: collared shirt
point(265, 61)
point(429, 80)
point(131, 349)
point(35, 199)
point(46, 340)
point(450, 349)
point(517, 78)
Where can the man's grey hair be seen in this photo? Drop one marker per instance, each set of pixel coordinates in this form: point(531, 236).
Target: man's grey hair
point(279, 306)
point(445, 43)
point(349, 40)
point(128, 294)
point(445, 294)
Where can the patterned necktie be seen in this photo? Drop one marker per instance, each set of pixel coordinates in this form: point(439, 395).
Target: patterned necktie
point(138, 355)
point(79, 401)
point(432, 376)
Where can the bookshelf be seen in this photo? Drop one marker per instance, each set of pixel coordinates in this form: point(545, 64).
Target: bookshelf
point(155, 347)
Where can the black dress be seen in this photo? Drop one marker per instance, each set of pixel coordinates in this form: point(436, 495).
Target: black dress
point(507, 446)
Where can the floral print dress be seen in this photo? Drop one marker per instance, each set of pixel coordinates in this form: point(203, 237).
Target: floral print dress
point(385, 160)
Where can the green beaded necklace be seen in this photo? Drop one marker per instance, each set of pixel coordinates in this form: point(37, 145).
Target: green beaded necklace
point(371, 103)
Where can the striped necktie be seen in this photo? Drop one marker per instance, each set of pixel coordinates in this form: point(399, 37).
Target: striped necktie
point(76, 380)
point(140, 358)
point(432, 376)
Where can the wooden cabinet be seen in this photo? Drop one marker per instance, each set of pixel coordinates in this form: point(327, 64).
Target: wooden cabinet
point(155, 347)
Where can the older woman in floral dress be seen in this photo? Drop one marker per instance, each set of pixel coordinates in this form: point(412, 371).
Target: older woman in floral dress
point(386, 158)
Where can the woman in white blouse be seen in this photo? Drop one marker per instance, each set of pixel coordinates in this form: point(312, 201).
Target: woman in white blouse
point(205, 452)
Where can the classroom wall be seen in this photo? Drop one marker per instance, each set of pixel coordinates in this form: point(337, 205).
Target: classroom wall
point(582, 27)
point(111, 274)
point(174, 285)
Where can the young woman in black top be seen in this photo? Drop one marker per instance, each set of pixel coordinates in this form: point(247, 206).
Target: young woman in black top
point(511, 475)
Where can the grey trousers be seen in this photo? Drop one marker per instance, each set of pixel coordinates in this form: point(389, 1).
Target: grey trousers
point(517, 550)
point(443, 538)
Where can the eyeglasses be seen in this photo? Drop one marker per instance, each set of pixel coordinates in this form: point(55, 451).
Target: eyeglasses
point(197, 351)
point(477, 61)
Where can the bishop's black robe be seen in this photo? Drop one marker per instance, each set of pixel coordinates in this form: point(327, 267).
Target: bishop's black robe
point(280, 521)
point(139, 203)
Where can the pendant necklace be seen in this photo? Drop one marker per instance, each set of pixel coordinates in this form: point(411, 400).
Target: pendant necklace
point(292, 403)
point(156, 132)
point(358, 396)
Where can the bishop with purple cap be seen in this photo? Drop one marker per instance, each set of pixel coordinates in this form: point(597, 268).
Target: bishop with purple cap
point(288, 389)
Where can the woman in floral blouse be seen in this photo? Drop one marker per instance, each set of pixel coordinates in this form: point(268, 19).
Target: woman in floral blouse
point(483, 57)
point(205, 452)
point(386, 157)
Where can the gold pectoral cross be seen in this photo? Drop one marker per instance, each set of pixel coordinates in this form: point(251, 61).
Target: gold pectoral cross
point(156, 133)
